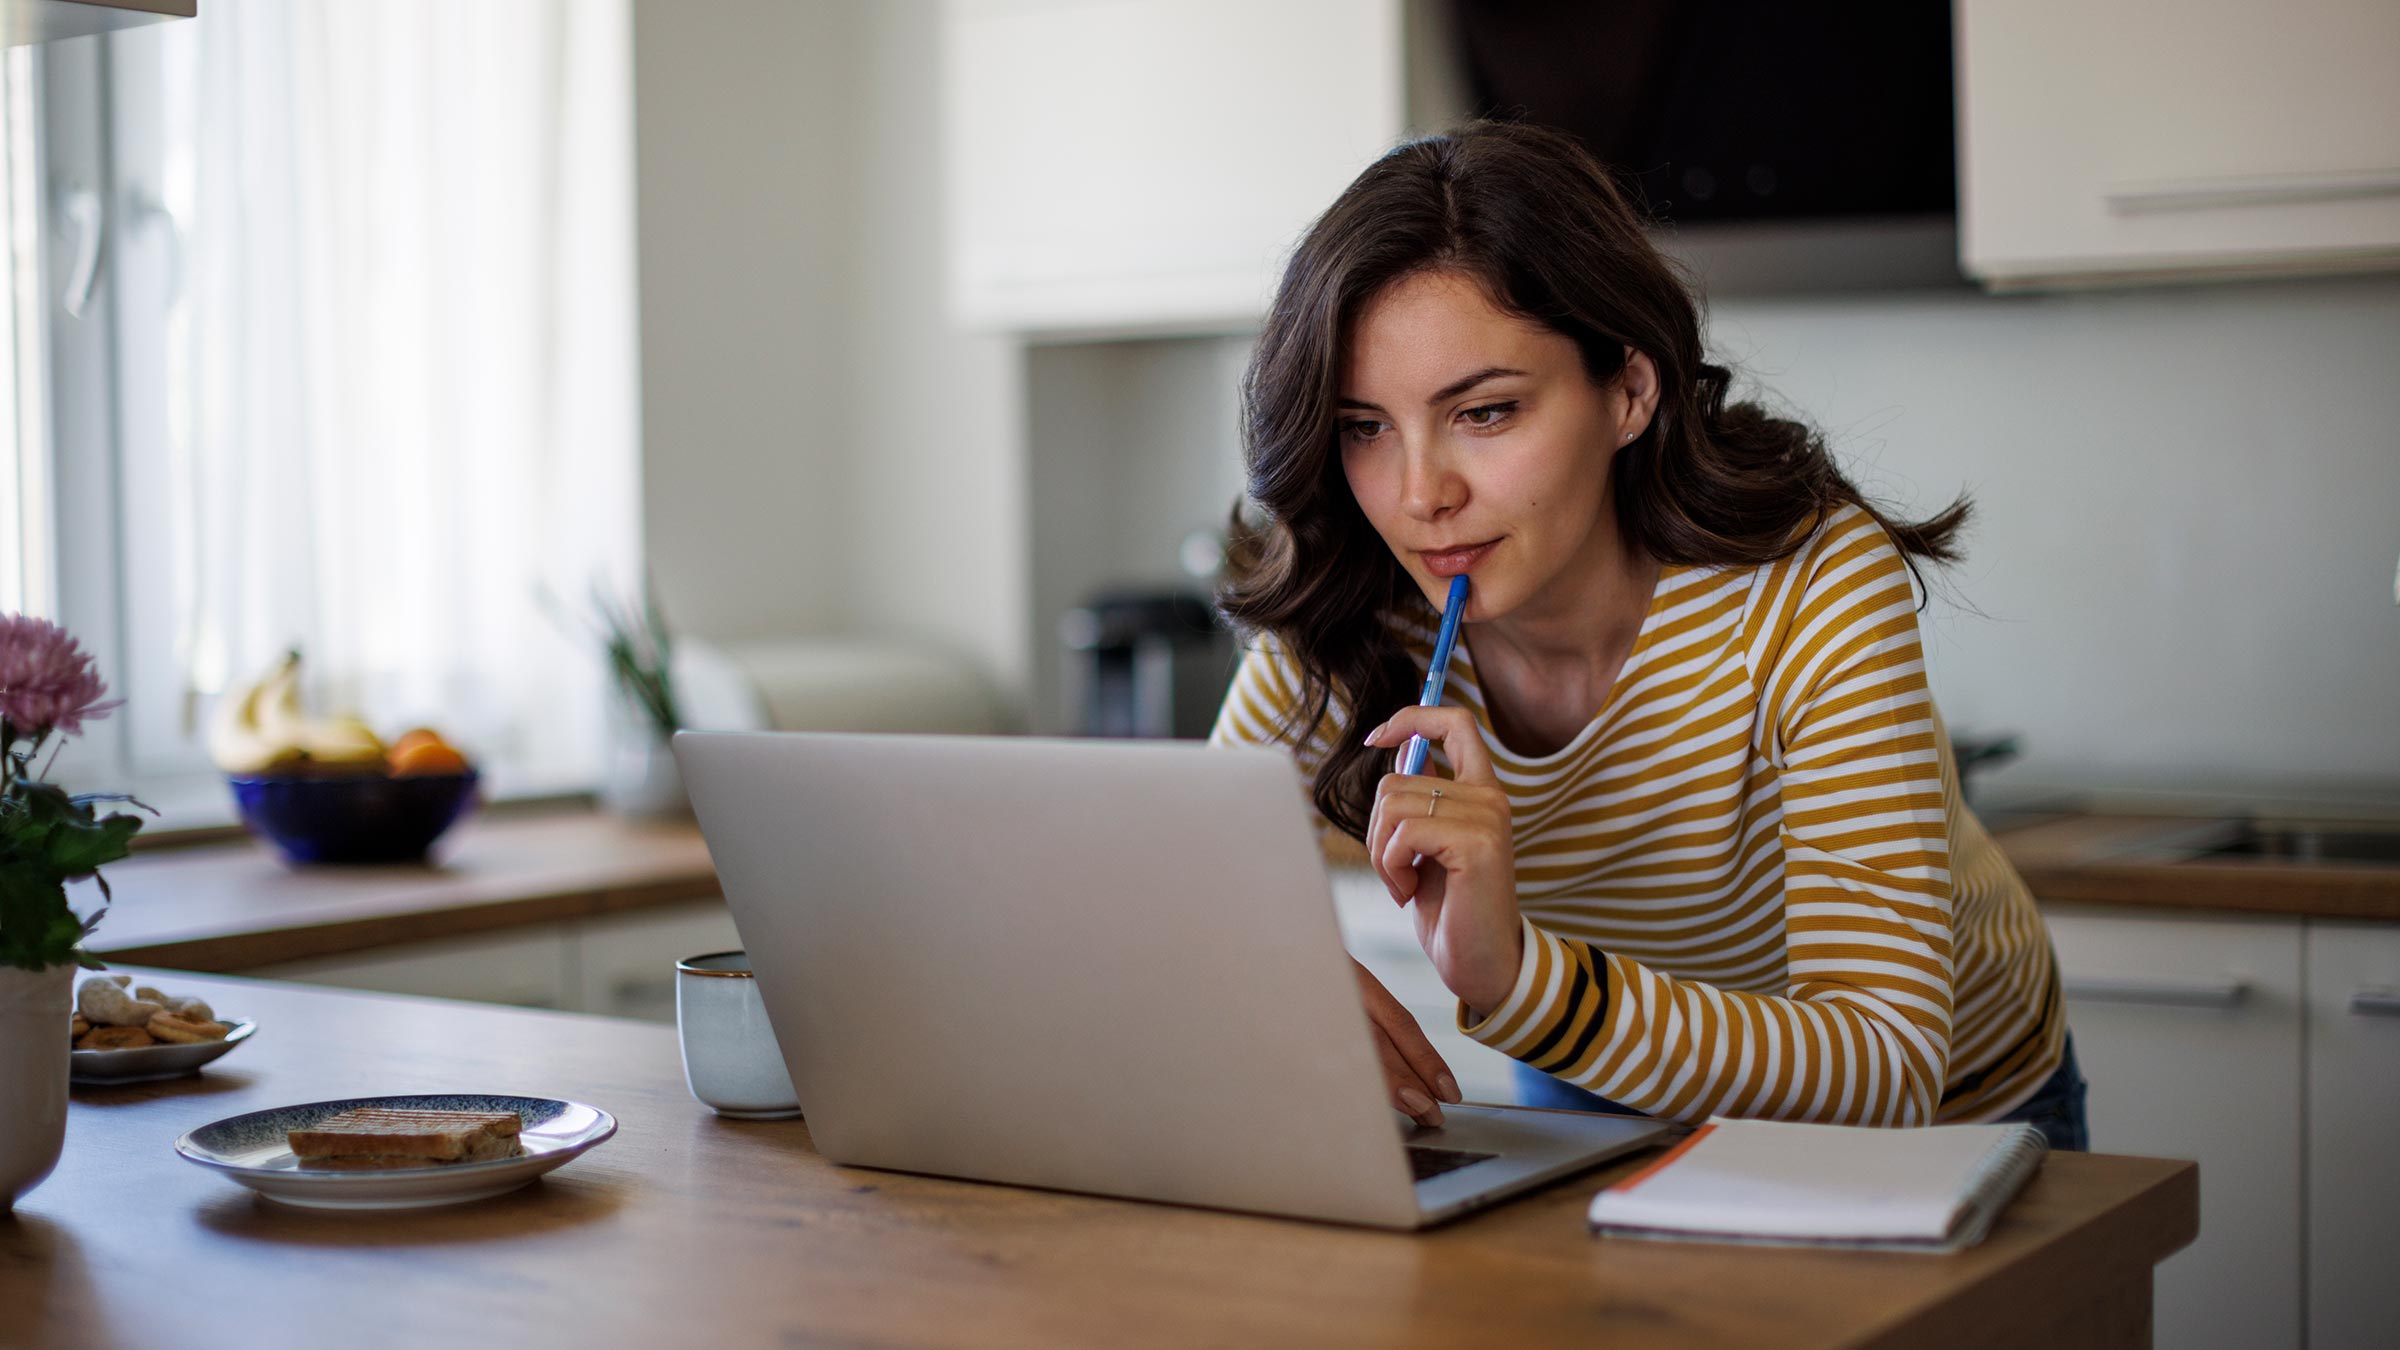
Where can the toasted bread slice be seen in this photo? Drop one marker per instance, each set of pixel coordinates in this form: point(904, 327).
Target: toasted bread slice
point(401, 1138)
point(481, 1151)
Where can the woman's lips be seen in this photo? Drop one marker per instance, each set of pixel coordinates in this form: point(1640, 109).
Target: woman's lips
point(1456, 561)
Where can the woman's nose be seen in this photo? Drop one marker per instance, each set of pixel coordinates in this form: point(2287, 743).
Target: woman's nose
point(1429, 489)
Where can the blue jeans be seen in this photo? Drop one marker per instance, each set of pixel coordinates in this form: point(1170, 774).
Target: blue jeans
point(2056, 1109)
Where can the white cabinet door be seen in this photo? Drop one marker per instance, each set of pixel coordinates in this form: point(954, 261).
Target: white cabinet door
point(2353, 1134)
point(2189, 1033)
point(625, 963)
point(528, 967)
point(1383, 937)
point(1131, 164)
point(2110, 139)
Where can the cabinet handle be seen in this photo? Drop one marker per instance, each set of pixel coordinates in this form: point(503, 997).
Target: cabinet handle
point(2374, 1001)
point(2222, 993)
point(2201, 194)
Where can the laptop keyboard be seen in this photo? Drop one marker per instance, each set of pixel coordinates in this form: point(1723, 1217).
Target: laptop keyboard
point(1425, 1161)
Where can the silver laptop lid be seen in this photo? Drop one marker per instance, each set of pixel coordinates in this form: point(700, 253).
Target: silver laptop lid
point(1096, 966)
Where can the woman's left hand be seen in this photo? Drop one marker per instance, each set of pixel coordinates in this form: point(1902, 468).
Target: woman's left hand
point(1455, 855)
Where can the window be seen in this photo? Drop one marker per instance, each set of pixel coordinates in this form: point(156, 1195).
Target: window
point(25, 549)
point(354, 373)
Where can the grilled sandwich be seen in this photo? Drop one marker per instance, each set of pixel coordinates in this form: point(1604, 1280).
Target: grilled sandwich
point(382, 1137)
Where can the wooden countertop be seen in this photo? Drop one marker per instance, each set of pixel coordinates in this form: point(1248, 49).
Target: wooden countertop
point(685, 1228)
point(232, 906)
point(2125, 860)
point(235, 906)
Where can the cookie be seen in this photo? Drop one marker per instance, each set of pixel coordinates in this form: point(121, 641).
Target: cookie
point(77, 1024)
point(107, 1004)
point(166, 1026)
point(115, 1038)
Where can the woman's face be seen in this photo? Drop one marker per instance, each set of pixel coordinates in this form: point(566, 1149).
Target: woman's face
point(1475, 442)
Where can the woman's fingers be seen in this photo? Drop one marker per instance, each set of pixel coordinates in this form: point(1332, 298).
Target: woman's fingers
point(1400, 1026)
point(1410, 1064)
point(1422, 1059)
point(1451, 841)
point(1453, 729)
point(1410, 1095)
point(1395, 801)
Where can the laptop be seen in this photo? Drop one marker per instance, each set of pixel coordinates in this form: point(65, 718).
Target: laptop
point(1099, 966)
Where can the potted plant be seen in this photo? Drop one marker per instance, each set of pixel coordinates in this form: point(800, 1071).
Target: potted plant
point(644, 714)
point(48, 689)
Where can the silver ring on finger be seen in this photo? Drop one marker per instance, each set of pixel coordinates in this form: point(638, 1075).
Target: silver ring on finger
point(1434, 805)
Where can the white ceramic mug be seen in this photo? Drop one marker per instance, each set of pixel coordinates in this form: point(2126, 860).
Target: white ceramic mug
point(730, 1059)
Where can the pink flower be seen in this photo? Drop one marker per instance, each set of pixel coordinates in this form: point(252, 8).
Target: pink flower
point(46, 678)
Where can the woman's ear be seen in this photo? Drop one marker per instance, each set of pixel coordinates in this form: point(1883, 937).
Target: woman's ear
point(1638, 382)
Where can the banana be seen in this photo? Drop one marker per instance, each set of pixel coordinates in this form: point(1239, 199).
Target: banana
point(250, 731)
point(346, 741)
point(262, 727)
point(279, 717)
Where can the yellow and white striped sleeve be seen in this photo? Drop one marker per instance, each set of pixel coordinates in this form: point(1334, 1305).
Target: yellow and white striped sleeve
point(1260, 701)
point(1861, 1034)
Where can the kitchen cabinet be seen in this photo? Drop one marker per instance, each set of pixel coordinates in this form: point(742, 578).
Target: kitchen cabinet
point(625, 963)
point(26, 21)
point(1132, 165)
point(618, 965)
point(2353, 1104)
point(2160, 139)
point(529, 967)
point(2189, 1032)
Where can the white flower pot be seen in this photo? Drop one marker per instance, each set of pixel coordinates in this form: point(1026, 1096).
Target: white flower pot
point(34, 1006)
point(643, 781)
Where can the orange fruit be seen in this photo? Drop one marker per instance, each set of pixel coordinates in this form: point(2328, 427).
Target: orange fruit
point(425, 758)
point(415, 736)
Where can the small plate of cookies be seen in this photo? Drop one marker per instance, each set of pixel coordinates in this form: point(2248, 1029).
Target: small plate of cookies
point(123, 1033)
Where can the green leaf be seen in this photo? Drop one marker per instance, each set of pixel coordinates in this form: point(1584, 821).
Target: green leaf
point(61, 832)
point(37, 928)
point(75, 847)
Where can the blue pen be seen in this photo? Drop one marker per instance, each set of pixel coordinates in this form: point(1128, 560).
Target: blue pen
point(1412, 755)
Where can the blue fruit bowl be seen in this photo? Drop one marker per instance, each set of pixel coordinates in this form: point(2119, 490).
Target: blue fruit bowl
point(353, 818)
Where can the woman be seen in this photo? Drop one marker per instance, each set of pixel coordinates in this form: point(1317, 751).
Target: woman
point(1700, 849)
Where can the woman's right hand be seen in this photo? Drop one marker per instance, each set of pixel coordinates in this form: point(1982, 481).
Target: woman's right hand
point(1414, 1074)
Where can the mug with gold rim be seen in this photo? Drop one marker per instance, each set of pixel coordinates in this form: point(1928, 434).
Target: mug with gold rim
point(730, 1059)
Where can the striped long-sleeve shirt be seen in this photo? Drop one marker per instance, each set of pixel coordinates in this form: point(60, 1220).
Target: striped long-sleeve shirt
point(1749, 886)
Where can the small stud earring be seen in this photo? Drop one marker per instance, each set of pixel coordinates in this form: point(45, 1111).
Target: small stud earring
point(1631, 434)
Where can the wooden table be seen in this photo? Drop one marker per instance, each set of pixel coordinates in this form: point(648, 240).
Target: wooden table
point(687, 1229)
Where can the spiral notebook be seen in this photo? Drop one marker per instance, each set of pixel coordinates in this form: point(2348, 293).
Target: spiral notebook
point(1935, 1189)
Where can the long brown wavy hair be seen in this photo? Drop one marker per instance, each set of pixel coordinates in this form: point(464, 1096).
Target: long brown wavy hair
point(1536, 220)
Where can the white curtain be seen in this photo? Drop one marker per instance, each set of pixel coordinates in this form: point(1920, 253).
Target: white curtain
point(401, 381)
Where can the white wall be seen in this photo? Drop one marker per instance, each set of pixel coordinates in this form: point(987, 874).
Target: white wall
point(823, 452)
point(2188, 515)
point(746, 241)
point(937, 548)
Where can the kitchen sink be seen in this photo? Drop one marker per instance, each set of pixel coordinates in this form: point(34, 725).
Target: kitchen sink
point(2291, 843)
point(2300, 843)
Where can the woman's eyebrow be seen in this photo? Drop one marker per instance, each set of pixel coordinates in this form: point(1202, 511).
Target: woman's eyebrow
point(1442, 395)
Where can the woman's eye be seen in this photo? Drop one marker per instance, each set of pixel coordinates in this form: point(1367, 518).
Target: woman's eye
point(1362, 430)
point(1489, 415)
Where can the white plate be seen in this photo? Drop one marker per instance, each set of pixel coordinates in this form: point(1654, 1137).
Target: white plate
point(253, 1150)
point(146, 1063)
